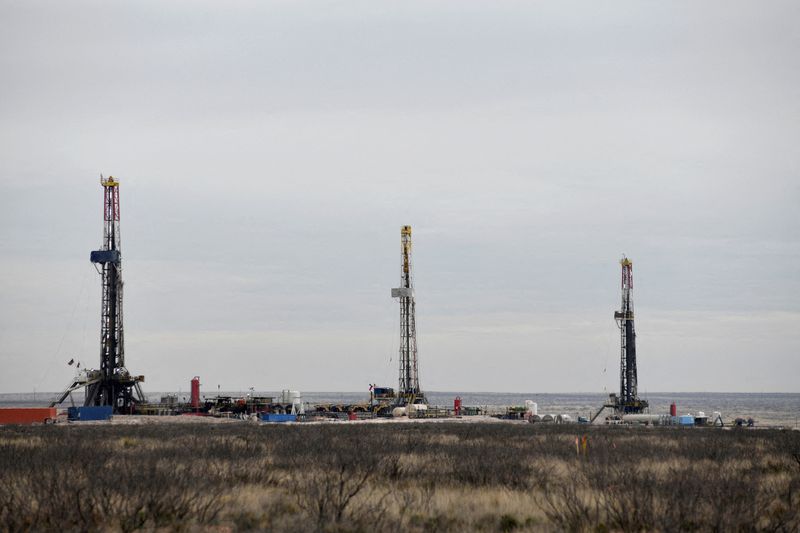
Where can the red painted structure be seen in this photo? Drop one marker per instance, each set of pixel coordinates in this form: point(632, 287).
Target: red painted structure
point(457, 406)
point(673, 409)
point(27, 415)
point(196, 392)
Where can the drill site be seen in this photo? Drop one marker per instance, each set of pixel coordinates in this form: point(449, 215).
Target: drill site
point(112, 391)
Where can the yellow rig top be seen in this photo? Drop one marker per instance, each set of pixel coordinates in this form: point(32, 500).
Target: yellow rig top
point(405, 231)
point(109, 182)
point(625, 261)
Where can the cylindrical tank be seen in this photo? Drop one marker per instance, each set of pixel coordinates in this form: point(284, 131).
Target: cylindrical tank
point(290, 396)
point(195, 386)
point(641, 419)
point(457, 406)
point(548, 418)
point(415, 408)
point(399, 411)
point(532, 407)
point(563, 419)
point(673, 409)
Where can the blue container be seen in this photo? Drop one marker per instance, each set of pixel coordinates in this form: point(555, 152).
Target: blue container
point(686, 420)
point(270, 417)
point(72, 413)
point(94, 412)
point(104, 256)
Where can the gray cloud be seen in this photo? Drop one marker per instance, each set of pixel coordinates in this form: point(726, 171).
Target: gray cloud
point(269, 153)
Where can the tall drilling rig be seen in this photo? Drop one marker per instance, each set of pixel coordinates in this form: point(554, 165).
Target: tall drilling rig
point(112, 384)
point(409, 391)
point(628, 400)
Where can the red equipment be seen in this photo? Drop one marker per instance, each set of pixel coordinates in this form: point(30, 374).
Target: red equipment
point(196, 392)
point(27, 415)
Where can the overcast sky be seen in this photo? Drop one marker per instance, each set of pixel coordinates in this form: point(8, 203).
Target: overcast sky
point(269, 153)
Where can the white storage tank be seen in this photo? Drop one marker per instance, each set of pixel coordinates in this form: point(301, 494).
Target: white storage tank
point(414, 408)
point(399, 411)
point(532, 407)
point(642, 419)
point(289, 396)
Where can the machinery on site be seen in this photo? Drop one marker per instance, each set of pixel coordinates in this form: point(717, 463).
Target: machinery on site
point(408, 391)
point(111, 385)
point(379, 395)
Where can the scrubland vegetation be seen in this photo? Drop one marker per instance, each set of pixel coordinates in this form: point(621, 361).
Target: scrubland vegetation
point(396, 477)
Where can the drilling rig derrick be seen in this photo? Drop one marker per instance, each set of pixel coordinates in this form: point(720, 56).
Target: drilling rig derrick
point(112, 384)
point(409, 391)
point(628, 400)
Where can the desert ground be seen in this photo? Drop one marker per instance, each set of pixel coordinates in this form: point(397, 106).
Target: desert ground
point(396, 477)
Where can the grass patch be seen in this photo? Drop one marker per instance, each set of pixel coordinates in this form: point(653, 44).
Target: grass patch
point(396, 477)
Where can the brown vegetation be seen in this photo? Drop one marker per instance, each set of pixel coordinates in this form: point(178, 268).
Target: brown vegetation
point(397, 477)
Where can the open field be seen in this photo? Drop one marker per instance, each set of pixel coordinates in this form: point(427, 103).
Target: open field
point(396, 477)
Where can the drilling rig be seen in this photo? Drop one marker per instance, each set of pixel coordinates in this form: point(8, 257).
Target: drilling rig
point(628, 400)
point(409, 391)
point(112, 384)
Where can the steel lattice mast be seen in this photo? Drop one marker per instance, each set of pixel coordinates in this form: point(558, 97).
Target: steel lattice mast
point(409, 390)
point(628, 401)
point(111, 385)
point(114, 385)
